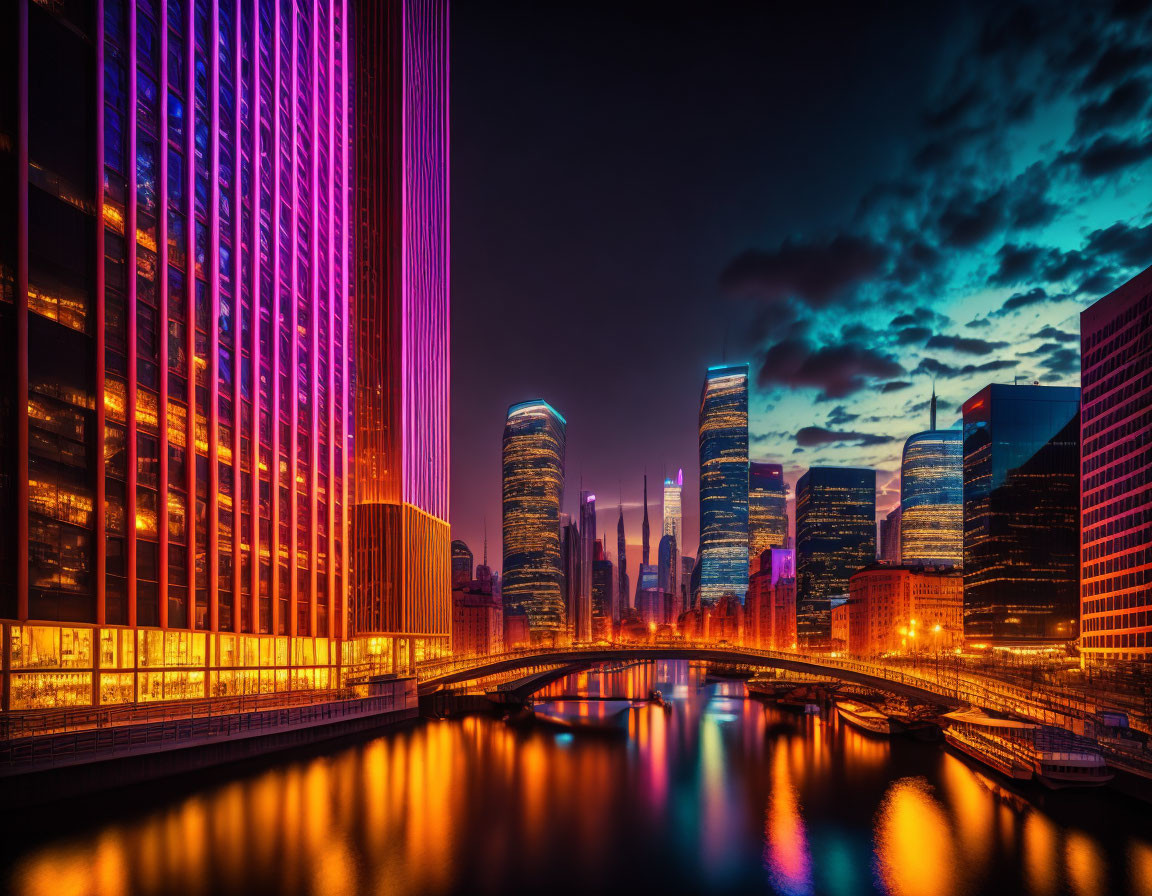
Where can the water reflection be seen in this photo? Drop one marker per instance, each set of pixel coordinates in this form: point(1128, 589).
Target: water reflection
point(722, 794)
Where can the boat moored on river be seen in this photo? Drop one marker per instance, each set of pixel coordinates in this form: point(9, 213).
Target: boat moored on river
point(865, 717)
point(1025, 750)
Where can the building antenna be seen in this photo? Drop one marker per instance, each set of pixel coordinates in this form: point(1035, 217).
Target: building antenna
point(485, 539)
point(932, 425)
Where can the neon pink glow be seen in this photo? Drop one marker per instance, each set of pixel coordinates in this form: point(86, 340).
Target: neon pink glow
point(425, 256)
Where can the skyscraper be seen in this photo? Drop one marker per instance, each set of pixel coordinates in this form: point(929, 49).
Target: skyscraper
point(1021, 513)
point(673, 522)
point(533, 488)
point(889, 552)
point(1116, 473)
point(667, 559)
point(767, 510)
point(932, 497)
point(400, 519)
point(644, 528)
point(582, 624)
point(601, 593)
point(461, 564)
point(174, 340)
point(623, 601)
point(723, 558)
point(835, 537)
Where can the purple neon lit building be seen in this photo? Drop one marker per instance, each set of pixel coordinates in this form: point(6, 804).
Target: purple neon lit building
point(176, 344)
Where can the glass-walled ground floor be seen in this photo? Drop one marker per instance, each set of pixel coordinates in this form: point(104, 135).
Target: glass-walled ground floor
point(50, 666)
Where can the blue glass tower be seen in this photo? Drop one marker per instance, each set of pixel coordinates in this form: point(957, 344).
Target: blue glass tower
point(723, 558)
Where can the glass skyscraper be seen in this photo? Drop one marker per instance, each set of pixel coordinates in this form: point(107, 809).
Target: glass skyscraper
point(1021, 513)
point(723, 559)
point(533, 489)
point(175, 331)
point(673, 524)
point(767, 510)
point(402, 595)
point(932, 499)
point(835, 537)
point(1116, 474)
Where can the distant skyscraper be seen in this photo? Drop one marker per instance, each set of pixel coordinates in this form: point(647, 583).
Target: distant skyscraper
point(673, 522)
point(582, 623)
point(1021, 513)
point(601, 593)
point(723, 558)
point(932, 497)
point(767, 510)
point(644, 529)
point(1116, 475)
point(461, 564)
point(890, 538)
point(623, 598)
point(533, 488)
point(667, 559)
point(835, 537)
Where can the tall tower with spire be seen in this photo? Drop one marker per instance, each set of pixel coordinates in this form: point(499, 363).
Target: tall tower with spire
point(644, 528)
point(622, 597)
point(932, 422)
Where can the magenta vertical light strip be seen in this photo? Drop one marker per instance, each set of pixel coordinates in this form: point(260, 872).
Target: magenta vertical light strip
point(130, 299)
point(255, 298)
point(162, 301)
point(294, 355)
point(237, 305)
point(101, 561)
point(190, 304)
point(274, 467)
point(335, 293)
point(314, 316)
point(213, 268)
point(346, 250)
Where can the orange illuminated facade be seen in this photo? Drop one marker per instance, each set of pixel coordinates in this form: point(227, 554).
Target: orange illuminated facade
point(770, 605)
point(899, 610)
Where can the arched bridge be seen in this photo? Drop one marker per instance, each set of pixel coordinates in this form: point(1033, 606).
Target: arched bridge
point(434, 677)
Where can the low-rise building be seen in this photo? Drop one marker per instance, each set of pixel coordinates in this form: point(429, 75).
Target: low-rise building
point(904, 610)
point(770, 605)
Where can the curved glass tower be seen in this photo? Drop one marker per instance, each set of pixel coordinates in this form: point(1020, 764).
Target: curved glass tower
point(533, 473)
point(932, 499)
point(767, 510)
point(724, 482)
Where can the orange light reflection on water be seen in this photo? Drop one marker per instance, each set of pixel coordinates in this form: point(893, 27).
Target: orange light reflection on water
point(786, 848)
point(914, 845)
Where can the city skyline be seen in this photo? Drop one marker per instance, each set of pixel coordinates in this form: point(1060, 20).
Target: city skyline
point(1044, 189)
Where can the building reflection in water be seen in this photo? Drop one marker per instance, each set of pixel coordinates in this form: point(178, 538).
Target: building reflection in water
point(723, 792)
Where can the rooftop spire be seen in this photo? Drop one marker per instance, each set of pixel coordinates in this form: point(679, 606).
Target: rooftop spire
point(933, 418)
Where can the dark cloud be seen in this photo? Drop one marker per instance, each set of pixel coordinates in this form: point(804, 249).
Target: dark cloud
point(979, 323)
point(1116, 63)
point(814, 272)
point(1108, 154)
point(1030, 263)
point(1120, 107)
point(839, 415)
point(1130, 246)
point(1044, 349)
point(1062, 360)
point(920, 315)
point(836, 370)
point(934, 367)
point(969, 218)
point(966, 344)
point(912, 335)
point(812, 436)
point(1016, 301)
point(1098, 284)
point(1050, 332)
point(895, 386)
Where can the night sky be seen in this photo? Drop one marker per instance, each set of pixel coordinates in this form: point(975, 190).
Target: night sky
point(854, 198)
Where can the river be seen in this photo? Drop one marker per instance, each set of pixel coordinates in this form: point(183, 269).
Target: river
point(721, 794)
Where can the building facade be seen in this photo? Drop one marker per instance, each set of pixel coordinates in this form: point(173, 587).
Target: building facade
point(770, 605)
point(889, 552)
point(533, 489)
point(903, 610)
point(623, 601)
point(835, 537)
point(602, 583)
point(723, 556)
point(767, 510)
point(932, 499)
point(673, 524)
point(477, 619)
point(581, 621)
point(1116, 474)
point(176, 339)
point(1021, 516)
point(402, 594)
point(461, 564)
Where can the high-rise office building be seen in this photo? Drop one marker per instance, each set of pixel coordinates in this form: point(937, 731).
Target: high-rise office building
point(533, 488)
point(581, 624)
point(889, 552)
point(402, 594)
point(461, 564)
point(570, 584)
point(601, 593)
point(1021, 513)
point(674, 523)
point(175, 340)
point(932, 497)
point(835, 537)
point(622, 602)
point(723, 557)
point(1116, 473)
point(767, 510)
point(667, 560)
point(644, 530)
